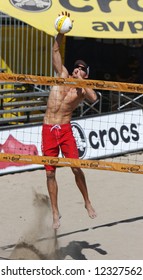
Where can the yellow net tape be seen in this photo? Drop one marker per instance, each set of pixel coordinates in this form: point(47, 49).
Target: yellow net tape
point(68, 162)
point(95, 84)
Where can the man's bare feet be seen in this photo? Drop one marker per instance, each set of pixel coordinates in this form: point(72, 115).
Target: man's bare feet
point(56, 221)
point(90, 210)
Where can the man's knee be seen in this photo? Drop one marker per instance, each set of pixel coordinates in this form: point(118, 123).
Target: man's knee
point(50, 174)
point(76, 171)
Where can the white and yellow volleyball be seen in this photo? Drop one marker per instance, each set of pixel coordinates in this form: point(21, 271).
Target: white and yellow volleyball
point(63, 24)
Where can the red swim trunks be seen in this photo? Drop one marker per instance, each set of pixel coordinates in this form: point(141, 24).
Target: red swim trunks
point(58, 137)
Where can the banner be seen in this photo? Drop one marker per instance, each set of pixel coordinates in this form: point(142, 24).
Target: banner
point(92, 19)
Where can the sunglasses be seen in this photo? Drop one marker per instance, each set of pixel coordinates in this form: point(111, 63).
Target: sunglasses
point(81, 68)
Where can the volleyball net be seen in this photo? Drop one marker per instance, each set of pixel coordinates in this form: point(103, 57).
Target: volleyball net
point(111, 141)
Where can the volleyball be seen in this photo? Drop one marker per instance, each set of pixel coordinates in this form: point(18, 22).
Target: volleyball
point(63, 24)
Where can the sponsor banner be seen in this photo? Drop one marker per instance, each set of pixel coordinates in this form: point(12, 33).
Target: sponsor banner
point(20, 141)
point(109, 135)
point(96, 137)
point(96, 19)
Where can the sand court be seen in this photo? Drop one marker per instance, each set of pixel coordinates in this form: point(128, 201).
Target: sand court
point(26, 220)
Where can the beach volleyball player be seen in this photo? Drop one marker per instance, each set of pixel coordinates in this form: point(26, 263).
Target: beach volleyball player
point(57, 132)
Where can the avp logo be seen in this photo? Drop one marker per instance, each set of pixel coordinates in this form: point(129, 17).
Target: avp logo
point(80, 138)
point(32, 5)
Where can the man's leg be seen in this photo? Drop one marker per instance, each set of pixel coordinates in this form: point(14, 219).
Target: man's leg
point(81, 183)
point(53, 193)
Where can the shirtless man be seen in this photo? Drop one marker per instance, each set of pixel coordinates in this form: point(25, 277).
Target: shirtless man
point(57, 132)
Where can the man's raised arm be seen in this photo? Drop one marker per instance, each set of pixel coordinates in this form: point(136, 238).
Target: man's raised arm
point(56, 55)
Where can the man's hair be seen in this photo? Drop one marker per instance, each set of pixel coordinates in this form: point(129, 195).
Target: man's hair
point(82, 62)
